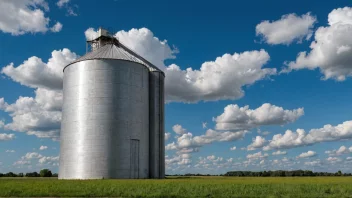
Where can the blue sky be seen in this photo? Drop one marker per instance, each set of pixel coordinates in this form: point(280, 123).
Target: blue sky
point(262, 40)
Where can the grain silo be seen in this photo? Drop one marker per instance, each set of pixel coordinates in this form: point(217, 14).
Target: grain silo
point(113, 115)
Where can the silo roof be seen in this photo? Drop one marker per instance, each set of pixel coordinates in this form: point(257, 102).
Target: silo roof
point(116, 52)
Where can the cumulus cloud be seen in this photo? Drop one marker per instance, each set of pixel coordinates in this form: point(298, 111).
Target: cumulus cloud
point(43, 148)
point(32, 155)
point(232, 148)
point(258, 142)
point(217, 80)
point(331, 50)
point(279, 153)
point(239, 118)
point(300, 138)
point(317, 162)
point(39, 115)
point(307, 154)
point(182, 159)
point(7, 137)
point(10, 151)
point(340, 151)
point(35, 73)
point(69, 9)
point(25, 16)
point(57, 27)
point(178, 129)
point(167, 136)
point(189, 143)
point(61, 3)
point(287, 29)
point(48, 160)
point(30, 116)
point(258, 155)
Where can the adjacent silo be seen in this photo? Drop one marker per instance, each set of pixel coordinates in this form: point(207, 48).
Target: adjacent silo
point(156, 125)
point(105, 130)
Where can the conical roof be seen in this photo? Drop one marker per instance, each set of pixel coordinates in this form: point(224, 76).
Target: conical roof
point(116, 51)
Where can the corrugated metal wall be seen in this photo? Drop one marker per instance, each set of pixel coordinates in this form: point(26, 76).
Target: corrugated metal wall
point(105, 120)
point(156, 125)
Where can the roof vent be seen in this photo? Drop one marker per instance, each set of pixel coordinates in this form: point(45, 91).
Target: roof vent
point(103, 38)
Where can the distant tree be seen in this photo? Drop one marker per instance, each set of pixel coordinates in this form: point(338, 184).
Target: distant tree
point(10, 174)
point(339, 173)
point(33, 174)
point(45, 173)
point(20, 175)
point(55, 175)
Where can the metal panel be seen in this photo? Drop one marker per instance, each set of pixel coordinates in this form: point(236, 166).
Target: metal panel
point(104, 108)
point(134, 153)
point(156, 125)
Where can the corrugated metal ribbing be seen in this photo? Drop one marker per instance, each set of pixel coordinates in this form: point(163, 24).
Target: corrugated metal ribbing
point(105, 120)
point(156, 125)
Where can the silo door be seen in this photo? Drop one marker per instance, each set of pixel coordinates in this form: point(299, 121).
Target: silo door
point(134, 159)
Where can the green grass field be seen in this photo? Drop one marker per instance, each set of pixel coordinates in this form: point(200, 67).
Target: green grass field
point(181, 187)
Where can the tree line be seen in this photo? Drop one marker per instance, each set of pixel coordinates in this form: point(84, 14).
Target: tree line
point(277, 173)
point(283, 173)
point(42, 173)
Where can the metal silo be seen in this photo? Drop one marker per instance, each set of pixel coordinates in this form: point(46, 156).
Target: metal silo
point(105, 118)
point(156, 124)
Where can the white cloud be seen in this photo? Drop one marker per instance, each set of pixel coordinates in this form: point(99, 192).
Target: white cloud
point(287, 29)
point(217, 80)
point(32, 155)
point(167, 136)
point(10, 151)
point(340, 151)
point(300, 138)
point(258, 155)
point(188, 142)
point(28, 115)
point(21, 162)
point(232, 148)
point(237, 118)
point(57, 27)
point(204, 125)
point(307, 154)
point(7, 137)
point(43, 148)
point(142, 41)
point(258, 142)
point(183, 159)
point(41, 115)
point(48, 160)
point(91, 34)
point(61, 3)
point(178, 129)
point(35, 73)
point(69, 9)
point(333, 159)
point(314, 163)
point(331, 49)
point(3, 105)
point(2, 123)
point(23, 16)
point(279, 153)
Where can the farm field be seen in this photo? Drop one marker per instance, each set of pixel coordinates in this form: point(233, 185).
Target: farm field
point(180, 187)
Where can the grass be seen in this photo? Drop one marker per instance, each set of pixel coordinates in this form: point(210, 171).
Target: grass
point(181, 187)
